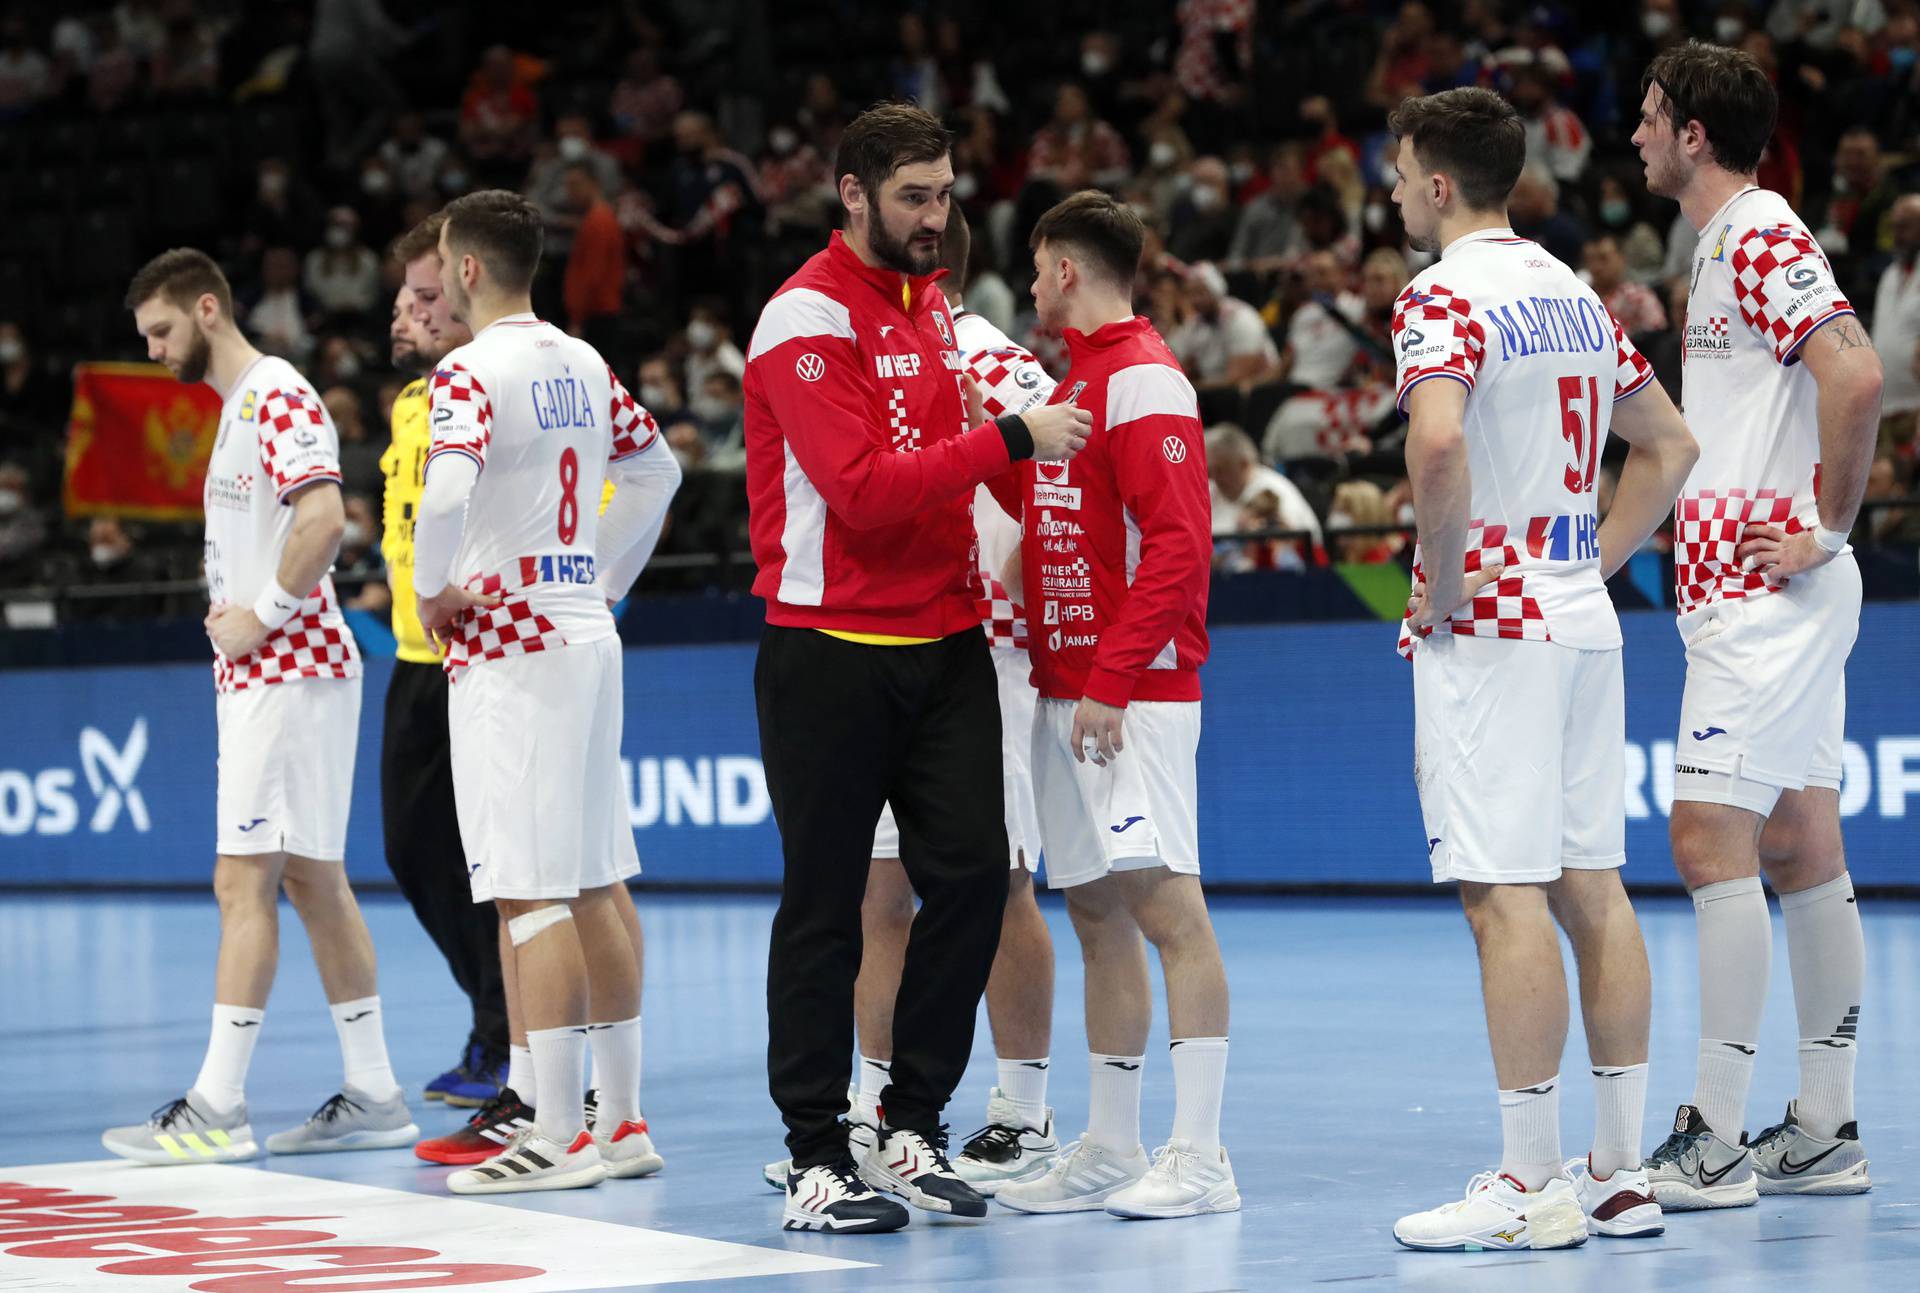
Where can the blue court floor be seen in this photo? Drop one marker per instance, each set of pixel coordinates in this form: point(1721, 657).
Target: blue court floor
point(1360, 1089)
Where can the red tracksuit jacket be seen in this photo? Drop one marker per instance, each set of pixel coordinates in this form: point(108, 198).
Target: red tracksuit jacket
point(1117, 545)
point(860, 467)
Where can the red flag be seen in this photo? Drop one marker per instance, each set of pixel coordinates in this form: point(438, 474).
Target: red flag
point(138, 441)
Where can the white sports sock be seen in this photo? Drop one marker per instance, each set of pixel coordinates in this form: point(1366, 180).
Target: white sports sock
point(1828, 954)
point(616, 1069)
point(520, 1075)
point(559, 1064)
point(1736, 957)
point(1113, 1111)
point(874, 1076)
point(1620, 1107)
point(1199, 1081)
point(1530, 1131)
point(1024, 1082)
point(363, 1047)
point(222, 1083)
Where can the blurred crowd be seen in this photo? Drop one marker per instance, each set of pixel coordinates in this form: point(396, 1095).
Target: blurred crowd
point(682, 154)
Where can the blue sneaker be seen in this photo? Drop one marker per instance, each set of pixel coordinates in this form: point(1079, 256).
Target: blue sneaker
point(476, 1079)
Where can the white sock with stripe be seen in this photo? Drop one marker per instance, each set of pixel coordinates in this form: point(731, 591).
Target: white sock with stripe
point(1024, 1083)
point(874, 1076)
point(1113, 1110)
point(1530, 1129)
point(616, 1069)
point(520, 1075)
point(559, 1064)
point(222, 1084)
point(363, 1047)
point(1199, 1084)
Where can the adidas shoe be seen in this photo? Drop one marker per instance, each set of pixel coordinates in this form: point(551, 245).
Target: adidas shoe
point(914, 1165)
point(1006, 1149)
point(532, 1162)
point(1181, 1183)
point(833, 1197)
point(590, 1107)
point(629, 1151)
point(349, 1120)
point(185, 1131)
point(1693, 1168)
point(485, 1134)
point(1622, 1206)
point(1497, 1213)
point(1785, 1156)
point(1078, 1180)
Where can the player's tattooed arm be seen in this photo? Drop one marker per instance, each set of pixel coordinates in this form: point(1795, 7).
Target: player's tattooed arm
point(1847, 334)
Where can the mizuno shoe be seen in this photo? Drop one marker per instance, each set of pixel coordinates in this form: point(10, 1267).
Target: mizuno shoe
point(1693, 1168)
point(485, 1134)
point(1790, 1160)
point(349, 1120)
point(1622, 1206)
point(1498, 1214)
point(185, 1131)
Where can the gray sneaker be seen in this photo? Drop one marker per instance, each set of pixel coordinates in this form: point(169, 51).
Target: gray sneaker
point(349, 1120)
point(1693, 1168)
point(1786, 1155)
point(185, 1131)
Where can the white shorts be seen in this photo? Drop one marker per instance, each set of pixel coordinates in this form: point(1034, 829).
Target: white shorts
point(1136, 812)
point(1765, 706)
point(1520, 758)
point(1017, 698)
point(286, 768)
point(536, 773)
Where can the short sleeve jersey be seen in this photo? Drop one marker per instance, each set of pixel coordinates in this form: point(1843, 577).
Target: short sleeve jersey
point(1543, 363)
point(275, 439)
point(542, 415)
point(1011, 381)
point(1761, 286)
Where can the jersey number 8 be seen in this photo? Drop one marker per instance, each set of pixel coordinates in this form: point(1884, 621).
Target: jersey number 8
point(569, 498)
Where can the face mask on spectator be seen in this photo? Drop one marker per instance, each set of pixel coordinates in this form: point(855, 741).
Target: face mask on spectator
point(656, 397)
point(1206, 199)
point(709, 409)
point(1375, 217)
point(272, 183)
point(1407, 514)
point(965, 186)
point(104, 554)
point(1615, 211)
point(454, 182)
point(1162, 154)
point(346, 366)
point(1902, 58)
point(339, 237)
point(1656, 24)
point(11, 351)
point(1094, 62)
point(1727, 30)
point(1241, 172)
point(1339, 521)
point(783, 141)
point(374, 182)
point(572, 147)
point(10, 501)
point(701, 335)
point(353, 535)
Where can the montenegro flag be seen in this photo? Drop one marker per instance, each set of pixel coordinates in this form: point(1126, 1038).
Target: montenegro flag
point(138, 441)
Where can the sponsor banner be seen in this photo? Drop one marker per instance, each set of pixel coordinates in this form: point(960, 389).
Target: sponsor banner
point(83, 1227)
point(138, 441)
point(1306, 761)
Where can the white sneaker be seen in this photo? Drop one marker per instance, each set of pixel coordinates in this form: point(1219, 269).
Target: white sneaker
point(861, 1136)
point(1079, 1180)
point(629, 1151)
point(1622, 1206)
point(914, 1166)
point(1006, 1149)
point(834, 1198)
point(1695, 1168)
point(1181, 1183)
point(1496, 1213)
point(532, 1162)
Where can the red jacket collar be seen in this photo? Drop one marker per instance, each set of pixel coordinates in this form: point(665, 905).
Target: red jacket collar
point(884, 281)
point(1107, 335)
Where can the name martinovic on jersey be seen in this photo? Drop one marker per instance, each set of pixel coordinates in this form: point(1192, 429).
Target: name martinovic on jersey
point(1550, 325)
point(561, 402)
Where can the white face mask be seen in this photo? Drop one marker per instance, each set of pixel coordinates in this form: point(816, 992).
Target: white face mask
point(782, 141)
point(11, 351)
point(352, 535)
point(572, 147)
point(1162, 154)
point(656, 397)
point(1094, 62)
point(1206, 199)
point(1339, 521)
point(710, 409)
point(104, 554)
point(10, 501)
point(347, 366)
point(1728, 29)
point(1241, 172)
point(965, 186)
point(339, 237)
point(1406, 516)
point(1656, 24)
point(1375, 217)
point(701, 335)
point(374, 183)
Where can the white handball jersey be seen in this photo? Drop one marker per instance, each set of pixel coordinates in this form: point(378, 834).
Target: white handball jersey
point(1760, 288)
point(275, 439)
point(542, 415)
point(1543, 362)
point(1011, 381)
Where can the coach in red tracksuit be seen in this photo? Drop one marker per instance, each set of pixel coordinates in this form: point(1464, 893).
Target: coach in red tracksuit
point(873, 682)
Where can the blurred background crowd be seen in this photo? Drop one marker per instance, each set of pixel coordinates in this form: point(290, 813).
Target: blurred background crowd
point(682, 152)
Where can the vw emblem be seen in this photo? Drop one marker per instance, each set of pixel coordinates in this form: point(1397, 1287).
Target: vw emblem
point(1175, 448)
point(810, 367)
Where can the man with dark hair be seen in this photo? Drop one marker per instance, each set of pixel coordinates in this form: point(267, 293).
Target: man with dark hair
point(1783, 388)
point(874, 684)
point(514, 569)
point(1519, 724)
point(287, 677)
point(1115, 552)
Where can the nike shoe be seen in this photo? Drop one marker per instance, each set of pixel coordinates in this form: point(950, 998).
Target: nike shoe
point(349, 1120)
point(629, 1151)
point(1006, 1149)
point(1497, 1213)
point(914, 1165)
point(485, 1134)
point(1789, 1160)
point(1078, 1180)
point(1693, 1168)
point(185, 1131)
point(474, 1081)
point(1622, 1206)
point(532, 1162)
point(1181, 1183)
point(834, 1197)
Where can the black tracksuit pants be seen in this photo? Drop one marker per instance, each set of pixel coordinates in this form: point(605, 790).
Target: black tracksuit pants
point(845, 728)
point(423, 843)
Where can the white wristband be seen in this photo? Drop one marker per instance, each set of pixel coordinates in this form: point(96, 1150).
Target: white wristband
point(1829, 540)
point(275, 605)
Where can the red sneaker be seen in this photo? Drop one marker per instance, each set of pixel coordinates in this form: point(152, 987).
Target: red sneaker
point(485, 1134)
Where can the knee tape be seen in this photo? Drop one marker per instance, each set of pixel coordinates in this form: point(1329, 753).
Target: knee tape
point(523, 929)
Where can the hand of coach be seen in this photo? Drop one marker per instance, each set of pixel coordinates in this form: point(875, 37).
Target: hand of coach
point(1059, 431)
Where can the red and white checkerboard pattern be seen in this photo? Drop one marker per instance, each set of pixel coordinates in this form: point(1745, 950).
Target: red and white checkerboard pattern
point(991, 368)
point(1439, 307)
point(903, 435)
point(313, 644)
point(1501, 609)
point(1004, 619)
point(1631, 371)
point(1760, 266)
point(511, 628)
point(470, 430)
point(634, 429)
point(1706, 531)
point(293, 441)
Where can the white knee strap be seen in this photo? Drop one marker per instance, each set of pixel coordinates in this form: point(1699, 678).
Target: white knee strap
point(523, 929)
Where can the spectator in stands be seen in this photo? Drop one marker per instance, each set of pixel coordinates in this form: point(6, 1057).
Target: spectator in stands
point(351, 42)
point(112, 72)
point(715, 204)
point(1324, 226)
point(547, 185)
point(1215, 53)
point(23, 525)
point(141, 26)
point(797, 183)
point(659, 388)
point(1383, 276)
point(596, 275)
point(823, 113)
point(1268, 232)
point(1321, 340)
point(1075, 149)
point(720, 407)
point(1819, 22)
point(342, 277)
point(1324, 137)
point(646, 100)
point(1556, 138)
point(277, 320)
point(33, 409)
point(1634, 304)
point(1861, 201)
point(26, 77)
point(499, 113)
point(1401, 67)
point(1249, 495)
point(1202, 223)
point(988, 294)
point(1638, 240)
point(414, 156)
point(1360, 504)
point(1223, 342)
point(1887, 524)
point(1534, 207)
point(710, 346)
point(357, 536)
point(1896, 315)
point(188, 64)
point(284, 211)
point(359, 454)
